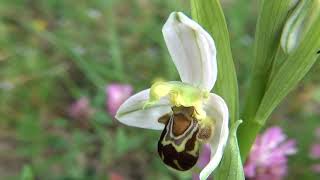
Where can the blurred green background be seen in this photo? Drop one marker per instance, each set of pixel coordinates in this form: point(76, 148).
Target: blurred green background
point(54, 52)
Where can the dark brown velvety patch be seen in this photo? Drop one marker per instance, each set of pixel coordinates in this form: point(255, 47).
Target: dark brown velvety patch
point(190, 145)
point(171, 158)
point(181, 161)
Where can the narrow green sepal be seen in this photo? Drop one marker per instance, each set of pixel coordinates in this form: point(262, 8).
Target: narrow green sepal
point(231, 166)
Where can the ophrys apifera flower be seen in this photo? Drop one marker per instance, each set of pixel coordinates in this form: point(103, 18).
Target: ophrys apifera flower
point(186, 112)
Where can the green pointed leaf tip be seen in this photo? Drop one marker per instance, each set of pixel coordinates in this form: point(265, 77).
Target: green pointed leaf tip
point(209, 14)
point(294, 68)
point(231, 166)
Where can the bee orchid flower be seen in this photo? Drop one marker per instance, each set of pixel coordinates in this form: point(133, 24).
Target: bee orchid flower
point(186, 112)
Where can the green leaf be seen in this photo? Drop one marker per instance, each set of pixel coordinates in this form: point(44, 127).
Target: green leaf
point(27, 173)
point(209, 14)
point(231, 166)
point(272, 16)
point(294, 68)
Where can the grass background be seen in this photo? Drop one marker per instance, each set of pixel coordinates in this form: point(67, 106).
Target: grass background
point(55, 51)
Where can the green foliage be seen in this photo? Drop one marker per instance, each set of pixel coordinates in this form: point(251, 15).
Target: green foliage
point(27, 173)
point(54, 52)
point(275, 74)
point(268, 32)
point(294, 68)
point(271, 19)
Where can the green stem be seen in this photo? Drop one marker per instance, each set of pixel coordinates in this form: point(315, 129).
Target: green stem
point(272, 16)
point(247, 133)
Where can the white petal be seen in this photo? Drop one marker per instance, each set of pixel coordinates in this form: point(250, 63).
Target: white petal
point(192, 50)
point(216, 109)
point(131, 112)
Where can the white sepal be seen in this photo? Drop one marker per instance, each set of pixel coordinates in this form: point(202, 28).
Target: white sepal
point(192, 50)
point(132, 113)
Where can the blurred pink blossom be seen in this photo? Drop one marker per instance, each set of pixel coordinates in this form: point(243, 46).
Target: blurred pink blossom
point(268, 156)
point(203, 160)
point(116, 95)
point(315, 151)
point(80, 109)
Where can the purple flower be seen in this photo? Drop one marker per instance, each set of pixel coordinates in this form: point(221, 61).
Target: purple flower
point(203, 160)
point(116, 95)
point(268, 156)
point(80, 109)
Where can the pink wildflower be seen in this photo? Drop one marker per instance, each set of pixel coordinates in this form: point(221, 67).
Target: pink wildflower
point(268, 156)
point(80, 109)
point(116, 95)
point(315, 151)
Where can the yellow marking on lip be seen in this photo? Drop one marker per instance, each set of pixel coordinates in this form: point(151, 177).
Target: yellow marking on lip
point(195, 149)
point(177, 164)
point(181, 147)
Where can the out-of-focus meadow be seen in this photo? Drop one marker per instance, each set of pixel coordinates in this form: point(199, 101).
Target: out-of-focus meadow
point(55, 52)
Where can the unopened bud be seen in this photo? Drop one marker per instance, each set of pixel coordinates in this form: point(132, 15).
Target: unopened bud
point(298, 23)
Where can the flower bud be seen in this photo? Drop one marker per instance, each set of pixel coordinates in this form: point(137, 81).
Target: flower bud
point(298, 23)
point(293, 3)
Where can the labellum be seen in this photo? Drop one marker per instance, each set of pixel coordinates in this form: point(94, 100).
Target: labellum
point(180, 140)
